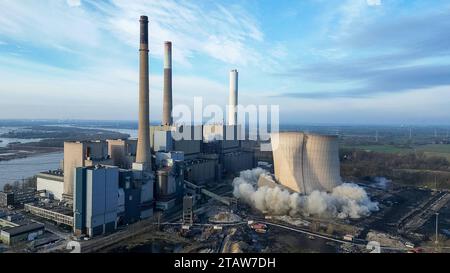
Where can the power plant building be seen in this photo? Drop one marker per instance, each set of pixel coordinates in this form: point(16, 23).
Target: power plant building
point(122, 152)
point(129, 198)
point(225, 137)
point(52, 182)
point(306, 162)
point(116, 182)
point(202, 170)
point(96, 200)
point(81, 154)
point(224, 140)
point(235, 162)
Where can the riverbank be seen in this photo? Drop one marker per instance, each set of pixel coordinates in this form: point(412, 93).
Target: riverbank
point(22, 151)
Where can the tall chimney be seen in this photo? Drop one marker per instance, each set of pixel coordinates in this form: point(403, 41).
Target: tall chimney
point(233, 99)
point(167, 103)
point(143, 146)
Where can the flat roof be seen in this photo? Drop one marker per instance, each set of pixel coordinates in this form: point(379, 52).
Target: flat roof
point(14, 231)
point(57, 177)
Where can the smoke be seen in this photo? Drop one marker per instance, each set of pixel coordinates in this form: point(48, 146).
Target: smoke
point(381, 182)
point(347, 200)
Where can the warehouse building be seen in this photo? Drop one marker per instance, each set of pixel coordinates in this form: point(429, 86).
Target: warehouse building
point(14, 235)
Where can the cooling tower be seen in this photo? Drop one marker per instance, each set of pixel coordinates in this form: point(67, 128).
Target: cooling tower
point(143, 146)
point(233, 98)
point(306, 162)
point(167, 96)
point(321, 162)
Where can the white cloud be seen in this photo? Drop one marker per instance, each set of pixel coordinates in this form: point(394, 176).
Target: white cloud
point(374, 2)
point(223, 33)
point(74, 3)
point(93, 92)
point(48, 24)
point(349, 16)
point(415, 106)
point(279, 51)
point(108, 76)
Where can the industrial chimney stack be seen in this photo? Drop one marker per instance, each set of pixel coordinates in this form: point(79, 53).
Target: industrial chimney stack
point(233, 99)
point(167, 103)
point(143, 156)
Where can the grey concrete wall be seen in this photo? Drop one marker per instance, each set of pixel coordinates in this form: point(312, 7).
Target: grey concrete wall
point(74, 155)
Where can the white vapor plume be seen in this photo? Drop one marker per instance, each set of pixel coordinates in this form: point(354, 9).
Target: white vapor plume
point(345, 201)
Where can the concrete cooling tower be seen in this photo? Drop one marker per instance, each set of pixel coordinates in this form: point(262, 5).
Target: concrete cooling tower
point(306, 162)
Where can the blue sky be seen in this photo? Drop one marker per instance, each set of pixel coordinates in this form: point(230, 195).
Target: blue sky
point(321, 61)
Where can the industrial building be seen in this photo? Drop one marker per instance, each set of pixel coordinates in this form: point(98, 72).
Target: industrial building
point(6, 199)
point(202, 170)
point(13, 235)
point(104, 195)
point(15, 198)
point(52, 183)
point(224, 137)
point(59, 214)
point(96, 200)
point(306, 162)
point(174, 168)
point(129, 198)
point(184, 138)
point(170, 179)
point(81, 154)
point(122, 152)
point(118, 182)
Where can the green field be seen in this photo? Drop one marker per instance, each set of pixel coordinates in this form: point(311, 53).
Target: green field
point(390, 149)
point(442, 150)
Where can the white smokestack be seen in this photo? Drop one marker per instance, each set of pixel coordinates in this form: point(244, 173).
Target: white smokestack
point(233, 98)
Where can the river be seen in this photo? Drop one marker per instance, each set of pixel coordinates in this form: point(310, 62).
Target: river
point(17, 169)
point(132, 132)
point(4, 141)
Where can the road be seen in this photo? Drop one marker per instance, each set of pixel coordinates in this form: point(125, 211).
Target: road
point(419, 216)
